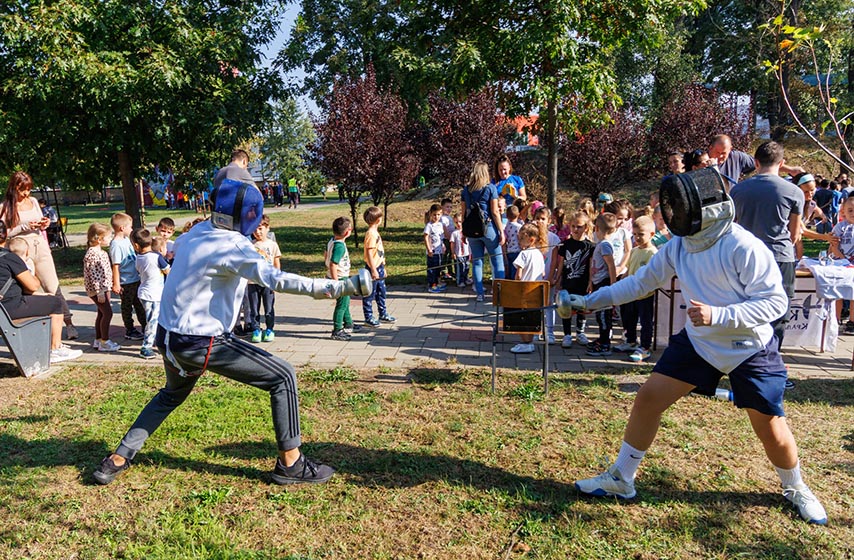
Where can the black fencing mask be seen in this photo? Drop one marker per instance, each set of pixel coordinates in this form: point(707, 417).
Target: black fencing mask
point(683, 197)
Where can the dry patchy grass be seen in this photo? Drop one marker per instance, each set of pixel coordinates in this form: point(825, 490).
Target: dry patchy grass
point(434, 468)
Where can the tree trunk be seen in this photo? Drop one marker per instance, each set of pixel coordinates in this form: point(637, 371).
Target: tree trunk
point(551, 139)
point(354, 202)
point(849, 129)
point(129, 192)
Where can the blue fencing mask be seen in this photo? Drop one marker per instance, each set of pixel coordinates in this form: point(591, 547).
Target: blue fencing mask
point(237, 206)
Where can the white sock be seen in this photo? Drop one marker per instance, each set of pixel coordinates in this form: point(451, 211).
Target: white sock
point(628, 461)
point(790, 477)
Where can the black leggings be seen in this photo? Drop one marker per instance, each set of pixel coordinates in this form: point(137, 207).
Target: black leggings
point(103, 319)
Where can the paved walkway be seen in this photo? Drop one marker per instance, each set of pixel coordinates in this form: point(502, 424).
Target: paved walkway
point(431, 331)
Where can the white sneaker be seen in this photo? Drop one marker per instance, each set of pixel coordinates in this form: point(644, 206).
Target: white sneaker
point(582, 339)
point(522, 348)
point(639, 355)
point(109, 346)
point(96, 345)
point(64, 353)
point(567, 341)
point(608, 484)
point(807, 504)
point(552, 339)
point(626, 347)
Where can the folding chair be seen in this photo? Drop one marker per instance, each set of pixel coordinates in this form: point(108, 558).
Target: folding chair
point(521, 310)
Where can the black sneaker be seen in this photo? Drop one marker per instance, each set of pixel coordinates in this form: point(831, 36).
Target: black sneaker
point(134, 334)
point(303, 471)
point(848, 328)
point(352, 328)
point(340, 334)
point(108, 471)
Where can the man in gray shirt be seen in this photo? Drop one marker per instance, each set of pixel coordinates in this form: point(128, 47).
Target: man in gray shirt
point(770, 208)
point(236, 170)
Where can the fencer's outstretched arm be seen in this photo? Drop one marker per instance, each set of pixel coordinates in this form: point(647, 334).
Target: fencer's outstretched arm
point(259, 271)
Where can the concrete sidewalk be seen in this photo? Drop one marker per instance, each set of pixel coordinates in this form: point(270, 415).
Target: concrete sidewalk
point(431, 331)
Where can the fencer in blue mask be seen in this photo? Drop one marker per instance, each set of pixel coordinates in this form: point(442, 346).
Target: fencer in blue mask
point(200, 304)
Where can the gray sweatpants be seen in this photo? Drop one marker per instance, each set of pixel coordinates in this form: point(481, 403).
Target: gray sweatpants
point(232, 358)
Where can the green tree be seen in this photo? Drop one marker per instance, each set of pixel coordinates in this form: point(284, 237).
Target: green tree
point(95, 90)
point(546, 55)
point(285, 142)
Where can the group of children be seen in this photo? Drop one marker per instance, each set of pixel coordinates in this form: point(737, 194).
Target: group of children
point(590, 249)
point(337, 259)
point(134, 268)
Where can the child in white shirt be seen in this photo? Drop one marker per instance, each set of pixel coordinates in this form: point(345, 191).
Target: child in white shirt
point(530, 266)
point(461, 251)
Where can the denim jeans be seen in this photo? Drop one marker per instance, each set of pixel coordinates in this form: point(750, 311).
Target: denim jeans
point(487, 245)
point(378, 295)
point(462, 269)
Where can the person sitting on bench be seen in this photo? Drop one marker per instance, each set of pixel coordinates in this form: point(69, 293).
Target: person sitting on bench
point(17, 287)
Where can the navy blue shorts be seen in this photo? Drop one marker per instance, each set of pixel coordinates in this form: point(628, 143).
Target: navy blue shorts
point(757, 383)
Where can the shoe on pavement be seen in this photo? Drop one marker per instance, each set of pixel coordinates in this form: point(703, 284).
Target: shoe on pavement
point(626, 347)
point(256, 335)
point(147, 353)
point(302, 471)
point(373, 323)
point(352, 328)
point(608, 484)
point(434, 290)
point(71, 332)
point(387, 319)
point(552, 339)
point(582, 339)
point(566, 342)
point(107, 471)
point(522, 348)
point(134, 334)
point(96, 344)
point(479, 298)
point(806, 503)
point(108, 346)
point(64, 353)
point(597, 349)
point(848, 328)
point(268, 335)
point(340, 334)
point(639, 355)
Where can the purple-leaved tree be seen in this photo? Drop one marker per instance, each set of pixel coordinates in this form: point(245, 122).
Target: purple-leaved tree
point(462, 133)
point(365, 142)
point(606, 157)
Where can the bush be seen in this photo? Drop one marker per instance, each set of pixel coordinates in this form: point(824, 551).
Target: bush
point(607, 157)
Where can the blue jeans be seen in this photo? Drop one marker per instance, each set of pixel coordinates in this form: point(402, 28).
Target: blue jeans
point(152, 313)
point(377, 294)
point(462, 269)
point(487, 245)
point(434, 263)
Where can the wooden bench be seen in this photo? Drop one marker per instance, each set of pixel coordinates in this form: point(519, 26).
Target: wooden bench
point(28, 341)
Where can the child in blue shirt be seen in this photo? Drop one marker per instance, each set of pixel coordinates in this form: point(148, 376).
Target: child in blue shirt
point(125, 275)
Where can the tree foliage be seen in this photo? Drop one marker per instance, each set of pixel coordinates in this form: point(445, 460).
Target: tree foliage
point(692, 117)
point(606, 157)
point(91, 91)
point(284, 144)
point(365, 143)
point(462, 133)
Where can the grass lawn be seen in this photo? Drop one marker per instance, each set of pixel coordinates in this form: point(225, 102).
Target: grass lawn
point(433, 468)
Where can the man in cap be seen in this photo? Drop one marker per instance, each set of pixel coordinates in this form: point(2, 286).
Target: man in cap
point(213, 262)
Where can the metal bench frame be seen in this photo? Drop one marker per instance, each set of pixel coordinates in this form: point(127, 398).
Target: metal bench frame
point(28, 341)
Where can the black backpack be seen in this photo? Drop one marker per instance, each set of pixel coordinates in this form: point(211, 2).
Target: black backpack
point(476, 220)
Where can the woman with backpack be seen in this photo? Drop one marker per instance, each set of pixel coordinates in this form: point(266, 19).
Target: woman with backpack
point(482, 225)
